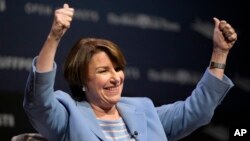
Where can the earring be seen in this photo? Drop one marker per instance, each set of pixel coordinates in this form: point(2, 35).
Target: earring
point(83, 88)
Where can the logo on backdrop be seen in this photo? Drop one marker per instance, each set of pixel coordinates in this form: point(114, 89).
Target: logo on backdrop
point(2, 5)
point(7, 120)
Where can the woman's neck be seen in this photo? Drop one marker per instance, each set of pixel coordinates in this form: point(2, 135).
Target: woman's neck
point(106, 113)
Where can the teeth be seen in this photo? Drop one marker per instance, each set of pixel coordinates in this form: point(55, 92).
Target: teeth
point(113, 88)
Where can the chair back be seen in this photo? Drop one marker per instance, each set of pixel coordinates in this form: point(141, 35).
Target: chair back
point(28, 137)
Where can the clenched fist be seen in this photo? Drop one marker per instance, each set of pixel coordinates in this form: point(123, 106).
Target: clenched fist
point(62, 19)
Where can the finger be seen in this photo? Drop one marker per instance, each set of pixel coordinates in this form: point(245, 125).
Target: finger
point(227, 31)
point(67, 8)
point(232, 38)
point(65, 24)
point(63, 13)
point(222, 25)
point(66, 12)
point(64, 21)
point(65, 5)
point(216, 22)
point(225, 26)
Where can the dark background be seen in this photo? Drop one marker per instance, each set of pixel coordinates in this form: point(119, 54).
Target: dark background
point(167, 44)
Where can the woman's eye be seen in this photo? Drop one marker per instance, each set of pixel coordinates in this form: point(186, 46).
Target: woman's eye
point(102, 71)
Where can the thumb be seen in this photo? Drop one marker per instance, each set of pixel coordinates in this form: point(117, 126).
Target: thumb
point(65, 5)
point(216, 22)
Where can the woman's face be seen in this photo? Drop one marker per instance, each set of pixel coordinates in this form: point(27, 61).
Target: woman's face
point(105, 83)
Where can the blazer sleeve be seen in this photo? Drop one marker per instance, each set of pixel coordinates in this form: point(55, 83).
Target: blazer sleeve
point(46, 114)
point(183, 117)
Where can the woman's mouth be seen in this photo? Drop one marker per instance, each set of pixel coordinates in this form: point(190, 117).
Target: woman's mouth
point(113, 90)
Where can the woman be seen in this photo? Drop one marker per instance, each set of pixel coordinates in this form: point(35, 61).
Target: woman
point(96, 111)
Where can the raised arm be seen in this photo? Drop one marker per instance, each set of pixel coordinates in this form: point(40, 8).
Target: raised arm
point(61, 22)
point(224, 38)
point(40, 103)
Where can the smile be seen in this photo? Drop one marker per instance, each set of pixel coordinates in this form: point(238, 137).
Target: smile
point(112, 89)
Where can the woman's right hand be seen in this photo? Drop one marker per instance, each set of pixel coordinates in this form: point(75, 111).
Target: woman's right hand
point(62, 20)
point(61, 23)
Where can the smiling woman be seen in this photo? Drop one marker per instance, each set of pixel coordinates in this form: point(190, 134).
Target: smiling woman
point(79, 67)
point(95, 109)
point(105, 82)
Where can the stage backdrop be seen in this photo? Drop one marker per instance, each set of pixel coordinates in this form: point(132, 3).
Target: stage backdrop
point(167, 45)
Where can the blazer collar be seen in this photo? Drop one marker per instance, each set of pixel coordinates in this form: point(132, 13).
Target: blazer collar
point(90, 118)
point(135, 121)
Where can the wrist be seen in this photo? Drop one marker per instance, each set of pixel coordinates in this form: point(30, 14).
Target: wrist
point(217, 65)
point(54, 37)
point(220, 52)
point(218, 58)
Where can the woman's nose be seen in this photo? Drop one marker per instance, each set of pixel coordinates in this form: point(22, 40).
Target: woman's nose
point(115, 79)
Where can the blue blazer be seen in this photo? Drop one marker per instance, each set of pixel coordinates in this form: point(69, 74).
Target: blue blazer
point(58, 117)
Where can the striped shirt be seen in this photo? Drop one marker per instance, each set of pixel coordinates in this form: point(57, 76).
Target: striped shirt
point(115, 130)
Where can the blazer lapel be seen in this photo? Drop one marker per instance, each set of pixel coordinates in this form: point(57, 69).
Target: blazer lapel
point(135, 121)
point(90, 118)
